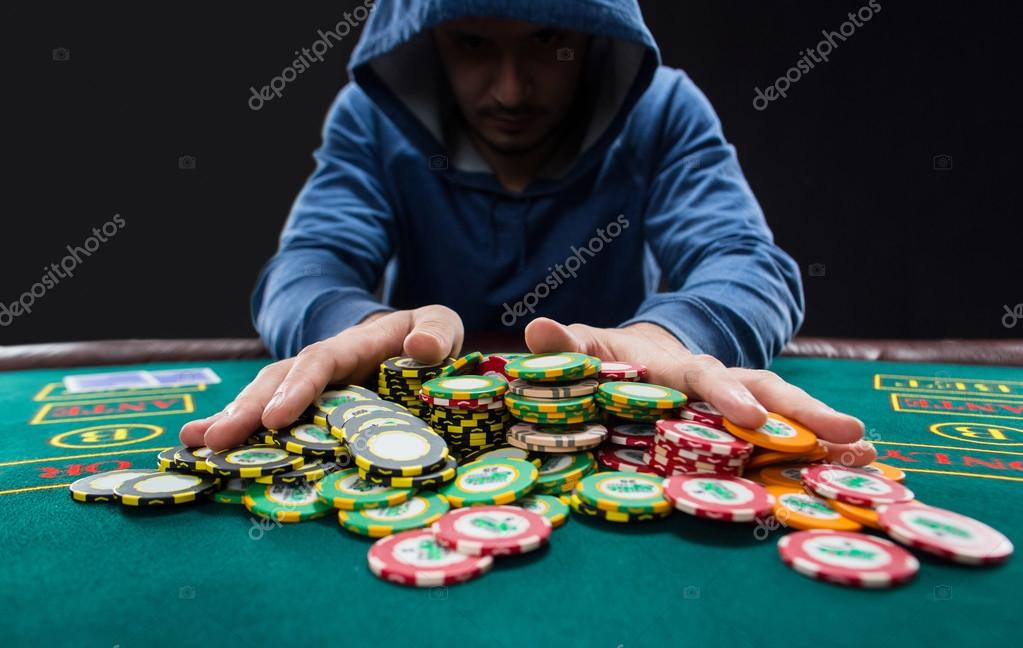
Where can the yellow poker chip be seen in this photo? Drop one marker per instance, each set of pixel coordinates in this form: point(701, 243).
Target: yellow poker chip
point(778, 433)
point(886, 471)
point(401, 450)
point(253, 461)
point(467, 387)
point(639, 395)
point(796, 508)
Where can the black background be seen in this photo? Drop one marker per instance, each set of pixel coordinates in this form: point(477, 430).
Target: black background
point(843, 167)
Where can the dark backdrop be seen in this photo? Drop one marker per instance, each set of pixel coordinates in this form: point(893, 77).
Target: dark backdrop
point(844, 166)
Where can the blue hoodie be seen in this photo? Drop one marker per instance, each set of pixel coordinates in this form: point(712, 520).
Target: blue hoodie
point(651, 197)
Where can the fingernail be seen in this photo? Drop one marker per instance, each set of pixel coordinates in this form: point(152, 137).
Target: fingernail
point(274, 402)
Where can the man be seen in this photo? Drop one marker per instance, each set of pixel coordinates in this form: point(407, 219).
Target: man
point(507, 163)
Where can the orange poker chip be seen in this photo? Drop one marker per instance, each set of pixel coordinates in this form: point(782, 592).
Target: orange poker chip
point(866, 516)
point(779, 433)
point(796, 508)
point(782, 475)
point(761, 458)
point(884, 470)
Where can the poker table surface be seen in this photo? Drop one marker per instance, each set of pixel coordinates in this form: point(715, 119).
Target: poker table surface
point(106, 575)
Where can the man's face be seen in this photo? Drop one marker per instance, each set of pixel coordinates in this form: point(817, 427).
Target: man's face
point(513, 81)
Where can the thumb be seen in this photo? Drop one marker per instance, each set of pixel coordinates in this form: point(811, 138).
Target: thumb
point(544, 335)
point(436, 333)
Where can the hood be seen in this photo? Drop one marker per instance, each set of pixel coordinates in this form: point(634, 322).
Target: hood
point(396, 64)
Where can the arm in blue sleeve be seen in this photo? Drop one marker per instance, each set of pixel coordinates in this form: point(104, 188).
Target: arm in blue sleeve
point(733, 293)
point(336, 243)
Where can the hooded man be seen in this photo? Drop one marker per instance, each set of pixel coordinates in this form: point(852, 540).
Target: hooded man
point(510, 165)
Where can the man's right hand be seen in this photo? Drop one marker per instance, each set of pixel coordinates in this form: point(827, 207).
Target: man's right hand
point(282, 391)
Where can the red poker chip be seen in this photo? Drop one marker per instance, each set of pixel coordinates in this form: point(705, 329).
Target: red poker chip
point(682, 465)
point(612, 370)
point(847, 558)
point(492, 530)
point(854, 486)
point(718, 497)
point(944, 533)
point(476, 405)
point(635, 435)
point(416, 558)
point(702, 412)
point(699, 436)
point(672, 451)
point(493, 365)
point(624, 460)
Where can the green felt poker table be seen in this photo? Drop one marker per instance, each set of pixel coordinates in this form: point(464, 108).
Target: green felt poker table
point(107, 575)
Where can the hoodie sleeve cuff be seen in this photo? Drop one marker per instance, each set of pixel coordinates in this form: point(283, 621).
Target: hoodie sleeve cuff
point(694, 325)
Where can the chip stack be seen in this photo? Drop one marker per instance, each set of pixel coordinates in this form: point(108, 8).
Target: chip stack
point(553, 388)
point(493, 364)
point(639, 401)
point(403, 454)
point(401, 379)
point(332, 398)
point(467, 410)
point(682, 446)
point(621, 497)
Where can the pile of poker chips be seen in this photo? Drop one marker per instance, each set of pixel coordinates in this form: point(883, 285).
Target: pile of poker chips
point(553, 388)
point(682, 446)
point(293, 475)
point(401, 379)
point(467, 410)
point(611, 370)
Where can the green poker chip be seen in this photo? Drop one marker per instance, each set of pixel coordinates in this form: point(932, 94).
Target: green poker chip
point(549, 506)
point(285, 502)
point(552, 366)
point(330, 399)
point(638, 395)
point(465, 364)
point(347, 491)
point(466, 387)
point(558, 469)
point(418, 511)
point(541, 405)
point(624, 492)
point(309, 440)
point(501, 451)
point(233, 491)
point(490, 481)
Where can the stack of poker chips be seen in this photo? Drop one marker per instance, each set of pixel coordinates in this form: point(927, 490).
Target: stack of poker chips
point(559, 473)
point(553, 388)
point(401, 379)
point(683, 446)
point(639, 401)
point(621, 497)
point(468, 410)
point(628, 442)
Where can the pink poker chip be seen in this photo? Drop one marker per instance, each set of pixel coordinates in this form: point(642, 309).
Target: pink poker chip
point(624, 459)
point(703, 412)
point(633, 435)
point(416, 558)
point(854, 486)
point(944, 533)
point(671, 451)
point(492, 530)
point(847, 558)
point(697, 436)
point(718, 497)
point(612, 370)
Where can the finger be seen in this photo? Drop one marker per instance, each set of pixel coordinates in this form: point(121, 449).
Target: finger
point(192, 432)
point(850, 454)
point(315, 367)
point(242, 416)
point(544, 335)
point(436, 334)
point(707, 377)
point(788, 400)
